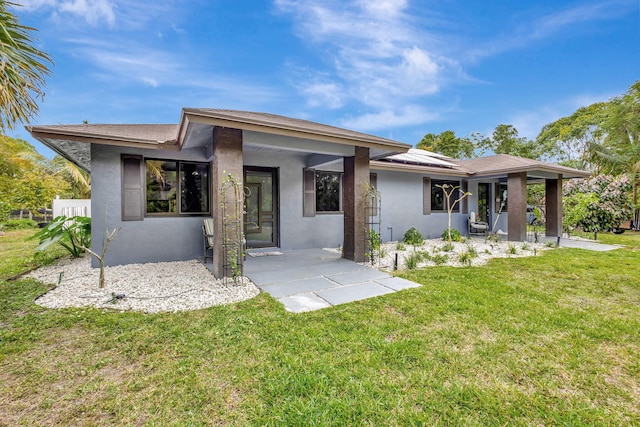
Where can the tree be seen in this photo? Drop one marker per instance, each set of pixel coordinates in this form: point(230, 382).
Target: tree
point(620, 153)
point(596, 204)
point(506, 140)
point(576, 139)
point(22, 70)
point(448, 144)
point(30, 181)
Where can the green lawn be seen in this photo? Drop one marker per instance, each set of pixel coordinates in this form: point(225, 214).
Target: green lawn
point(547, 340)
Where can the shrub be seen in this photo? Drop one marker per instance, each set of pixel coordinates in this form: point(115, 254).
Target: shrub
point(73, 234)
point(455, 235)
point(400, 246)
point(19, 224)
point(598, 203)
point(440, 259)
point(413, 237)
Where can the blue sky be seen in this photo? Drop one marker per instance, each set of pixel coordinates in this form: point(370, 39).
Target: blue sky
point(393, 68)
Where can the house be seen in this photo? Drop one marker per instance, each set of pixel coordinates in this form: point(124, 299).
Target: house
point(280, 182)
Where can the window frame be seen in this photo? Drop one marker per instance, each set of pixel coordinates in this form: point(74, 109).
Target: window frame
point(179, 189)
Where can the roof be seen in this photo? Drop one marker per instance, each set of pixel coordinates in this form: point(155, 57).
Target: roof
point(501, 164)
point(273, 123)
point(73, 141)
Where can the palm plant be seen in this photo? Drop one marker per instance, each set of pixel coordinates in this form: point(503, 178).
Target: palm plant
point(22, 70)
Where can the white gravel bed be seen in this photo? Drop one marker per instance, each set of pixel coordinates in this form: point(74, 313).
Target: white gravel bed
point(436, 255)
point(150, 288)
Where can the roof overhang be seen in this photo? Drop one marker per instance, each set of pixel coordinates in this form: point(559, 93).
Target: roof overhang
point(285, 126)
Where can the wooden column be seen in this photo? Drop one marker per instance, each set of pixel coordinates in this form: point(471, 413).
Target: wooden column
point(553, 206)
point(517, 206)
point(227, 159)
point(356, 174)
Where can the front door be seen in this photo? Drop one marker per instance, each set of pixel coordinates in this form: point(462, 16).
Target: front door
point(484, 202)
point(261, 207)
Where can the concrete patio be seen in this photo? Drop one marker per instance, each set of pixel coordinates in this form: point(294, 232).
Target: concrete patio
point(312, 279)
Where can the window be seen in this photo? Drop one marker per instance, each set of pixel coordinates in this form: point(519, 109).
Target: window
point(328, 194)
point(438, 200)
point(175, 187)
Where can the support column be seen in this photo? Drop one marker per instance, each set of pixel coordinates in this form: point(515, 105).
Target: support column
point(356, 174)
point(517, 206)
point(227, 159)
point(553, 206)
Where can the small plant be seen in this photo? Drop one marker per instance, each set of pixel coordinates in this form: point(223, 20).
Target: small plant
point(73, 234)
point(374, 245)
point(382, 251)
point(487, 251)
point(440, 259)
point(465, 258)
point(424, 256)
point(550, 244)
point(452, 235)
point(525, 247)
point(412, 260)
point(448, 247)
point(413, 237)
point(400, 246)
point(512, 250)
point(472, 251)
point(493, 237)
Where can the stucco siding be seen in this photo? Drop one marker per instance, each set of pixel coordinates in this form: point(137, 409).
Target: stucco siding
point(401, 196)
point(155, 238)
point(296, 231)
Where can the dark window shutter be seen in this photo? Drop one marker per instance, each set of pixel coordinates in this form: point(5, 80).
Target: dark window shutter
point(309, 196)
point(426, 196)
point(464, 187)
point(132, 188)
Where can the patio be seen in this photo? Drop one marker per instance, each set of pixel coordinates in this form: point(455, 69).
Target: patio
point(312, 279)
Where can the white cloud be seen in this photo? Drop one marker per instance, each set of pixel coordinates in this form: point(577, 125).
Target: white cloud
point(93, 11)
point(376, 56)
point(391, 118)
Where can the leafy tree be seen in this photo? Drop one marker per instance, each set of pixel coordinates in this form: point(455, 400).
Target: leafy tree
point(30, 181)
point(576, 138)
point(22, 70)
point(620, 152)
point(506, 140)
point(448, 144)
point(599, 203)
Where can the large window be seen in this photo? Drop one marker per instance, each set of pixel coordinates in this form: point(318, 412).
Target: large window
point(438, 200)
point(328, 195)
point(175, 187)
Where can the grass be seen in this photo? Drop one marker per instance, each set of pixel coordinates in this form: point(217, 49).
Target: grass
point(547, 340)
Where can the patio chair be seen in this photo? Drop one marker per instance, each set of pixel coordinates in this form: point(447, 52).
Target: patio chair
point(207, 232)
point(477, 227)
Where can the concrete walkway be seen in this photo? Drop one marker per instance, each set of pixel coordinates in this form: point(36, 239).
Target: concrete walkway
point(311, 279)
point(580, 244)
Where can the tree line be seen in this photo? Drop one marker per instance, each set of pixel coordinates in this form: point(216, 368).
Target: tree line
point(602, 138)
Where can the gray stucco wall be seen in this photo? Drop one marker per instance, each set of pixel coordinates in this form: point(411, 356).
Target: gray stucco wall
point(296, 231)
point(401, 195)
point(151, 240)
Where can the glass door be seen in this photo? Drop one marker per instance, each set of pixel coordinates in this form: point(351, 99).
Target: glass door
point(261, 207)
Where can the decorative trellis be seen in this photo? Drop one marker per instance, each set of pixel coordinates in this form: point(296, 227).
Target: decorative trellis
point(232, 206)
point(372, 223)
